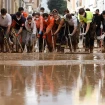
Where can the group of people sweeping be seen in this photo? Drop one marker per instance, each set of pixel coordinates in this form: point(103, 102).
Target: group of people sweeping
point(43, 32)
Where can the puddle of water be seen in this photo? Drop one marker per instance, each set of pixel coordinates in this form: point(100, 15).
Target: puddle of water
point(53, 85)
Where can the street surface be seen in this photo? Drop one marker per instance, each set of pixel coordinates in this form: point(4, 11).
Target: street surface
point(52, 79)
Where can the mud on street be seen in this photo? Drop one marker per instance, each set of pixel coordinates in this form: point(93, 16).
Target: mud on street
point(52, 79)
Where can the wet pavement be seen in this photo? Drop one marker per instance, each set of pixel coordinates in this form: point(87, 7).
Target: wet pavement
point(52, 79)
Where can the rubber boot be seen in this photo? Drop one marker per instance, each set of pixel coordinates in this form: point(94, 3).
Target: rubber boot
point(58, 48)
point(17, 48)
point(70, 48)
point(103, 51)
point(62, 49)
point(75, 48)
point(28, 49)
point(91, 49)
point(2, 48)
point(31, 47)
point(86, 49)
point(98, 43)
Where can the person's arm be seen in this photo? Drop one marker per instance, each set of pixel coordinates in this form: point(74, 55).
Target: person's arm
point(60, 26)
point(50, 26)
point(87, 28)
point(8, 29)
point(20, 30)
point(34, 28)
point(41, 25)
point(26, 26)
point(89, 20)
point(21, 26)
point(74, 31)
point(75, 21)
point(9, 25)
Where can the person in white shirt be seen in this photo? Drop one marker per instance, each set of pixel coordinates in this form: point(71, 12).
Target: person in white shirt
point(5, 25)
point(72, 29)
point(30, 26)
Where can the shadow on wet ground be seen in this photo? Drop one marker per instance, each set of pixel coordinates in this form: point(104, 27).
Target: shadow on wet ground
point(76, 84)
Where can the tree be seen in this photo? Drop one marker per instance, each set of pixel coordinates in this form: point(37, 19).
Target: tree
point(60, 5)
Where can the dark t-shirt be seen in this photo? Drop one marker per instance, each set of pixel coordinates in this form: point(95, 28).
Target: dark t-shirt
point(97, 19)
point(19, 23)
point(103, 22)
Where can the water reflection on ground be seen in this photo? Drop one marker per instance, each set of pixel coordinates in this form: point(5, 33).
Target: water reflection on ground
point(52, 85)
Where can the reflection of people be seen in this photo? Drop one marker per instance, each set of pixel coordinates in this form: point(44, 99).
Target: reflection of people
point(17, 75)
point(103, 85)
point(88, 82)
point(44, 78)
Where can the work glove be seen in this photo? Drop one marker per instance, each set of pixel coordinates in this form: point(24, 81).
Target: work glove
point(44, 36)
point(102, 36)
point(101, 26)
point(38, 36)
point(82, 34)
point(10, 41)
point(33, 36)
point(16, 35)
point(70, 34)
point(5, 36)
point(53, 35)
point(40, 32)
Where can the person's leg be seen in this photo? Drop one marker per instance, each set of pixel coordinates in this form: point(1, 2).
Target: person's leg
point(6, 41)
point(87, 42)
point(74, 42)
point(103, 45)
point(91, 45)
point(58, 45)
point(92, 37)
point(27, 42)
point(63, 39)
point(32, 42)
point(50, 42)
point(98, 33)
point(2, 42)
point(23, 38)
point(41, 43)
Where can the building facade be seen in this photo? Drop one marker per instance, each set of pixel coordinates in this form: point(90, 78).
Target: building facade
point(32, 5)
point(74, 5)
point(10, 5)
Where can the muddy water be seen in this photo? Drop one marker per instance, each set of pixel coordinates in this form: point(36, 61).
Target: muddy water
point(52, 85)
point(51, 56)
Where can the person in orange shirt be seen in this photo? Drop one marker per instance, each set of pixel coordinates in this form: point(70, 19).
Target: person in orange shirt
point(21, 9)
point(39, 25)
point(48, 25)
